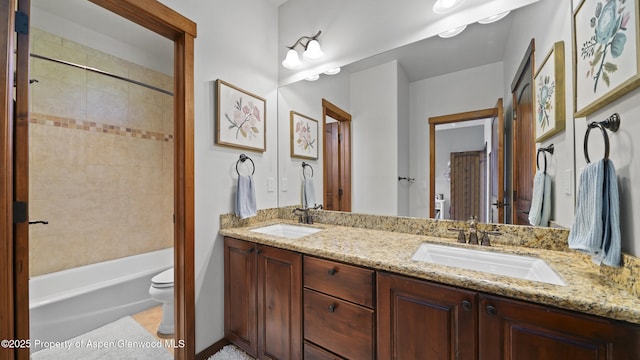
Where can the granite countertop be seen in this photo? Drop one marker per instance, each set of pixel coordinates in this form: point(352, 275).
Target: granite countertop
point(587, 289)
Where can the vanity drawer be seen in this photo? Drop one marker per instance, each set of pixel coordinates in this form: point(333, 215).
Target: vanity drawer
point(313, 352)
point(347, 282)
point(345, 328)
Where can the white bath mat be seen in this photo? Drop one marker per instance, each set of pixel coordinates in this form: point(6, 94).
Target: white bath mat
point(121, 339)
point(230, 352)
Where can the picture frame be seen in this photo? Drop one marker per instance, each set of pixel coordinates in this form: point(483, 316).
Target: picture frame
point(606, 53)
point(549, 94)
point(304, 136)
point(240, 118)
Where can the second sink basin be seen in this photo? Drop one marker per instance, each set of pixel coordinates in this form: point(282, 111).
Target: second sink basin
point(286, 230)
point(517, 266)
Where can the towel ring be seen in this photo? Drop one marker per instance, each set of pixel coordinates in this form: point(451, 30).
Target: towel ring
point(304, 165)
point(242, 159)
point(549, 149)
point(612, 123)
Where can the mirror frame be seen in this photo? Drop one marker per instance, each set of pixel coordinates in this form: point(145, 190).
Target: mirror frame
point(14, 241)
point(460, 117)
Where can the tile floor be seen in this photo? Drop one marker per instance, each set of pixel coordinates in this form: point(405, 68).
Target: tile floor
point(150, 320)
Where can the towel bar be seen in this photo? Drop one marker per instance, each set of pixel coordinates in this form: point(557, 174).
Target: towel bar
point(304, 165)
point(242, 159)
point(612, 123)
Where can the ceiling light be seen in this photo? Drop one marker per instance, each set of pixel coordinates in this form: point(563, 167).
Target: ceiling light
point(444, 6)
point(494, 18)
point(332, 71)
point(313, 77)
point(312, 51)
point(453, 32)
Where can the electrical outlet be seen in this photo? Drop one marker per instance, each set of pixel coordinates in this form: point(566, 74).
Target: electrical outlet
point(284, 186)
point(271, 184)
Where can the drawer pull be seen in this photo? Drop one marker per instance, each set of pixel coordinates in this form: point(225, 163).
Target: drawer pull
point(466, 305)
point(491, 310)
point(332, 271)
point(332, 308)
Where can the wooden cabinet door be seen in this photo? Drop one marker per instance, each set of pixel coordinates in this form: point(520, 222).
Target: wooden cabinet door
point(279, 303)
point(421, 320)
point(511, 329)
point(240, 290)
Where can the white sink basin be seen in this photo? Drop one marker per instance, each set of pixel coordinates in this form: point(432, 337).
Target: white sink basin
point(517, 266)
point(286, 230)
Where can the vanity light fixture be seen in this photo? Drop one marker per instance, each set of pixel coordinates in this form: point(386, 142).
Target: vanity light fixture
point(312, 51)
point(453, 32)
point(444, 6)
point(333, 71)
point(494, 18)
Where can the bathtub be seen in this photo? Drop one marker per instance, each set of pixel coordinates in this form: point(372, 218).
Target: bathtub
point(71, 302)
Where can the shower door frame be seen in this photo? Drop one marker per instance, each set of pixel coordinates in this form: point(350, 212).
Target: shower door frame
point(14, 241)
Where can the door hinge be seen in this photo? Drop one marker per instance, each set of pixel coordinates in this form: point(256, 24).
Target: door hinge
point(20, 213)
point(22, 22)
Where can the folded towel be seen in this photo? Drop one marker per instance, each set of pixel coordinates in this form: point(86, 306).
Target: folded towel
point(540, 200)
point(596, 226)
point(308, 193)
point(245, 197)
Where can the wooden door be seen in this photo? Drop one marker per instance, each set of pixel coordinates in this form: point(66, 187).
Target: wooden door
point(421, 320)
point(483, 185)
point(240, 295)
point(523, 139)
point(331, 166)
point(337, 158)
point(279, 303)
point(515, 330)
point(496, 174)
point(466, 191)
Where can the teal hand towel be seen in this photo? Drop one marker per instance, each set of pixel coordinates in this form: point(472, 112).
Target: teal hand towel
point(596, 226)
point(540, 200)
point(245, 197)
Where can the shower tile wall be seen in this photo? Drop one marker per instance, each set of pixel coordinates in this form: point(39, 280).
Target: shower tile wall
point(100, 158)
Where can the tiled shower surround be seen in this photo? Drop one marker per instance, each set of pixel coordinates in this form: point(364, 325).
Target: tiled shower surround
point(100, 158)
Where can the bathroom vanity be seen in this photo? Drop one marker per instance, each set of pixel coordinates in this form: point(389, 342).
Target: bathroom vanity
point(353, 292)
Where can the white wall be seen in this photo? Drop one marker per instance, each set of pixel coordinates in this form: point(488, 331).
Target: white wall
point(374, 111)
point(305, 97)
point(404, 148)
point(237, 42)
point(466, 90)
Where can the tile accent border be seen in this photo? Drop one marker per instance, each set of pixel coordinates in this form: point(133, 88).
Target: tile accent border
point(91, 126)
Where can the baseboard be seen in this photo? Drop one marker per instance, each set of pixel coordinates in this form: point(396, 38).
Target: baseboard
point(208, 352)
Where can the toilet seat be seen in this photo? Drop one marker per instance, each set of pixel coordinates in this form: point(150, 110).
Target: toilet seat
point(163, 280)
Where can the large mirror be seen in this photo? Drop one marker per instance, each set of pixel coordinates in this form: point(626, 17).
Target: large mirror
point(396, 166)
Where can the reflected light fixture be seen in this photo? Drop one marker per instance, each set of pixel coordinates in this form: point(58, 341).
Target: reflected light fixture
point(333, 71)
point(444, 6)
point(494, 18)
point(312, 51)
point(453, 32)
point(313, 77)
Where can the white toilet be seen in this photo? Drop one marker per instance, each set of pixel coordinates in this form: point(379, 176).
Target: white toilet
point(161, 290)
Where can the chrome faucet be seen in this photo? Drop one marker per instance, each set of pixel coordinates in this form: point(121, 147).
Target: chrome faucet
point(305, 217)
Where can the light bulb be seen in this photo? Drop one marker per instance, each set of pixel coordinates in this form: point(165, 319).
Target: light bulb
point(313, 51)
point(292, 60)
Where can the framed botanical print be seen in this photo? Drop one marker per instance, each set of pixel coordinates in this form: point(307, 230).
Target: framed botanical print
point(606, 53)
point(549, 94)
point(304, 136)
point(240, 118)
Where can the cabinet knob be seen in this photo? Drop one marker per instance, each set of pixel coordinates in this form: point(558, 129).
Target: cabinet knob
point(466, 305)
point(332, 308)
point(332, 271)
point(491, 310)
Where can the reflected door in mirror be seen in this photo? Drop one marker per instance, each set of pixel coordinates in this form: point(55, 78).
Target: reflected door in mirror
point(468, 195)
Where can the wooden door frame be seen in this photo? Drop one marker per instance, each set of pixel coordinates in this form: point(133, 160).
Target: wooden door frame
point(448, 119)
point(344, 166)
point(528, 58)
point(160, 19)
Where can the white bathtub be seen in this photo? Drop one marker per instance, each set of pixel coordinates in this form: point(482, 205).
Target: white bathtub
point(71, 302)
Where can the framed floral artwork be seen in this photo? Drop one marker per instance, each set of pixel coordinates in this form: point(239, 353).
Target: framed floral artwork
point(606, 53)
point(240, 118)
point(549, 95)
point(304, 136)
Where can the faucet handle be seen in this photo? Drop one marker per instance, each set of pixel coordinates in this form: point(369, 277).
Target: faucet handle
point(461, 238)
point(485, 237)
